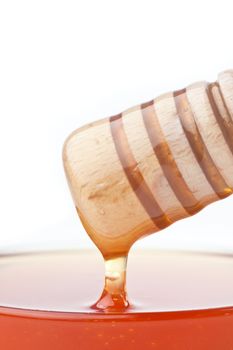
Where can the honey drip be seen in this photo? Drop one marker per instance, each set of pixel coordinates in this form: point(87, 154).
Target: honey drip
point(138, 172)
point(114, 295)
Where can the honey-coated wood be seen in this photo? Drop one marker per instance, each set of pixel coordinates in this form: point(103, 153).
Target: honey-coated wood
point(140, 171)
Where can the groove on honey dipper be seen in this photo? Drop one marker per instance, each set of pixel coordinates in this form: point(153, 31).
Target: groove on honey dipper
point(134, 176)
point(225, 123)
point(167, 161)
point(197, 144)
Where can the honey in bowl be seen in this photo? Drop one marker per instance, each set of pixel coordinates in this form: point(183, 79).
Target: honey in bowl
point(178, 301)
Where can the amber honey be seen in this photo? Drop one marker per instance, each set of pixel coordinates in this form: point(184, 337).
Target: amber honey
point(177, 301)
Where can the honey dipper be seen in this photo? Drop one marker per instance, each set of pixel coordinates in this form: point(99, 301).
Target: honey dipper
point(138, 172)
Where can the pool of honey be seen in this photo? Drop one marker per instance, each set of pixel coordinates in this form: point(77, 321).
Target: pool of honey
point(179, 300)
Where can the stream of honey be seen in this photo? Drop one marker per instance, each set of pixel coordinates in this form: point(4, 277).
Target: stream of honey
point(177, 300)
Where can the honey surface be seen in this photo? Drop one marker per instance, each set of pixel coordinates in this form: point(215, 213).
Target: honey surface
point(178, 301)
point(157, 281)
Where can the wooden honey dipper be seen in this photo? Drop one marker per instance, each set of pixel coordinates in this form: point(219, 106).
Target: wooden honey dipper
point(140, 171)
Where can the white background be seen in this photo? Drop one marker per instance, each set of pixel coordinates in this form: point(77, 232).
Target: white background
point(66, 63)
